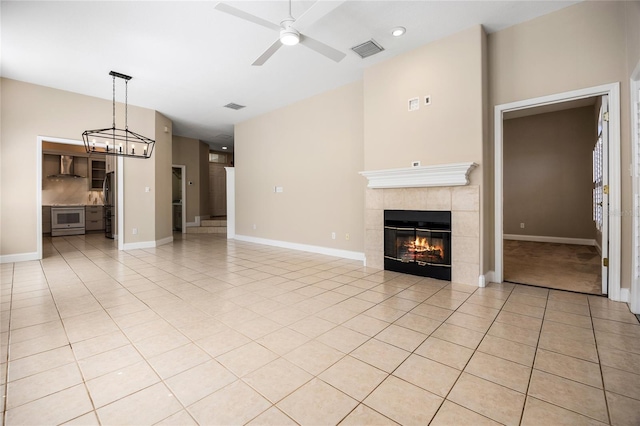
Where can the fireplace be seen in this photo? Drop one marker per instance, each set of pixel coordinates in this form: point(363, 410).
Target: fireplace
point(418, 243)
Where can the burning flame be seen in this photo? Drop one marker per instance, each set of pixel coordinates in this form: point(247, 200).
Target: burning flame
point(421, 245)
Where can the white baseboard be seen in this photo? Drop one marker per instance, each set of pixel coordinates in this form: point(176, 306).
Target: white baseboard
point(598, 247)
point(345, 254)
point(488, 277)
point(625, 295)
point(192, 224)
point(19, 257)
point(164, 241)
point(140, 245)
point(547, 239)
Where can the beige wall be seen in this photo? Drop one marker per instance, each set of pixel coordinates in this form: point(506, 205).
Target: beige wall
point(632, 14)
point(581, 46)
point(548, 176)
point(314, 150)
point(203, 152)
point(186, 152)
point(447, 131)
point(162, 156)
point(29, 111)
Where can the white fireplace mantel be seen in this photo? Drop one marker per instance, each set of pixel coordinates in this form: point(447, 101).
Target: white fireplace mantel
point(455, 174)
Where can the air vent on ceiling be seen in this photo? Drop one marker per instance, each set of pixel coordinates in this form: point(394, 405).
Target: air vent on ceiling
point(223, 136)
point(234, 106)
point(367, 48)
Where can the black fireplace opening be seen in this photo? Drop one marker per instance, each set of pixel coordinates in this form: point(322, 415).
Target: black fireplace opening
point(418, 242)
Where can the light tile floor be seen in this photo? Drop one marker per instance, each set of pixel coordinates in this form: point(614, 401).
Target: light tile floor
point(210, 331)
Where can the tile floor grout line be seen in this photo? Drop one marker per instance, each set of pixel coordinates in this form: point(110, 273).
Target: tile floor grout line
point(77, 363)
point(5, 387)
point(595, 340)
point(535, 356)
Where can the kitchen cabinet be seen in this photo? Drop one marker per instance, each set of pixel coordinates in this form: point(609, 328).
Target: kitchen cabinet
point(50, 165)
point(94, 218)
point(46, 219)
point(96, 173)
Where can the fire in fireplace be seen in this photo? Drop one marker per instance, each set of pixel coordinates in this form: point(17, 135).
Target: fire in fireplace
point(418, 242)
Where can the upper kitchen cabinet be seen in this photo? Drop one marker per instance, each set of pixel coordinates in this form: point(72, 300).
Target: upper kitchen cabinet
point(50, 165)
point(97, 172)
point(80, 166)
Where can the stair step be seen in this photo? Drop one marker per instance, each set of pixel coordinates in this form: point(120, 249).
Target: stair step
point(213, 222)
point(207, 230)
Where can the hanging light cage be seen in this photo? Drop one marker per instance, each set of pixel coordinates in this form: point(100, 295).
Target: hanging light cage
point(114, 141)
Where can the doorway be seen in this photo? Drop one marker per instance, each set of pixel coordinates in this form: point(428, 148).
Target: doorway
point(111, 166)
point(179, 198)
point(548, 155)
point(613, 161)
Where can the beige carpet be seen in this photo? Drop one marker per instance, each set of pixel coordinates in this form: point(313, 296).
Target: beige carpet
point(560, 266)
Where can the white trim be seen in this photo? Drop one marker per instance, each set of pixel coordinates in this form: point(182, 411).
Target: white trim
point(489, 277)
point(345, 254)
point(598, 247)
point(183, 201)
point(40, 140)
point(21, 257)
point(120, 208)
point(548, 239)
point(455, 174)
point(613, 91)
point(164, 241)
point(482, 281)
point(139, 245)
point(634, 296)
point(625, 295)
point(192, 224)
point(231, 202)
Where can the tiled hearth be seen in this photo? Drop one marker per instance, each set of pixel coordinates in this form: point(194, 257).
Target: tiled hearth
point(462, 201)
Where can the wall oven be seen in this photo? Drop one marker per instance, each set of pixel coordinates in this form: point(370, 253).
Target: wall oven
point(67, 221)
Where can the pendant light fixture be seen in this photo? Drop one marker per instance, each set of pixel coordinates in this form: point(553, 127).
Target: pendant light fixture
point(113, 141)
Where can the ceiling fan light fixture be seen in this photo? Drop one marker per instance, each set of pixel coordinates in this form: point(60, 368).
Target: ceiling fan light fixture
point(289, 36)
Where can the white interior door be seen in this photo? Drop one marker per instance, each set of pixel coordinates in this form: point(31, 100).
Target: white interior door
point(601, 188)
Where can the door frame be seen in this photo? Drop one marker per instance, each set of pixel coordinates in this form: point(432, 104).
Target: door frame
point(39, 177)
point(612, 90)
point(634, 297)
point(183, 184)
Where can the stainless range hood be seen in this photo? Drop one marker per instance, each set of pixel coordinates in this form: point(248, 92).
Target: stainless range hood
point(66, 168)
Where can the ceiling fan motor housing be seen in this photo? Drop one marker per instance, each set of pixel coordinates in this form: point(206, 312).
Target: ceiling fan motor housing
point(289, 36)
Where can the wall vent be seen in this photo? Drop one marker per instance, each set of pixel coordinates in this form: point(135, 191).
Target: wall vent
point(368, 48)
point(234, 106)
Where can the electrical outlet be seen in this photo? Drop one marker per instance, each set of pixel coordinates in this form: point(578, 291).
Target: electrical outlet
point(347, 236)
point(255, 226)
point(333, 235)
point(135, 231)
point(521, 225)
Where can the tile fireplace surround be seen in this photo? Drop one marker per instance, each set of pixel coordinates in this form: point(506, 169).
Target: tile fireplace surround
point(461, 199)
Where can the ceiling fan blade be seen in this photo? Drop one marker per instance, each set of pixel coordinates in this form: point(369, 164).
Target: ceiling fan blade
point(268, 53)
point(223, 7)
point(317, 10)
point(321, 48)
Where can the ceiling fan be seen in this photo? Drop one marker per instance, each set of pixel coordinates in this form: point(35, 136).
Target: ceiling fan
point(289, 35)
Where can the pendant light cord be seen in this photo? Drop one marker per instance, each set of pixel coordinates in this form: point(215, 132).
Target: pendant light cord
point(114, 101)
point(126, 104)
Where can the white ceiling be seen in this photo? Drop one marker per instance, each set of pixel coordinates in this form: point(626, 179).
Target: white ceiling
point(187, 59)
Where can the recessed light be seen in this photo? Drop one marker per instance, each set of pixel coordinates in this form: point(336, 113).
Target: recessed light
point(224, 147)
point(398, 31)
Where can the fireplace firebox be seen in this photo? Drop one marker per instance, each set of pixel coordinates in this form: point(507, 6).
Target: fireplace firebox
point(418, 243)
